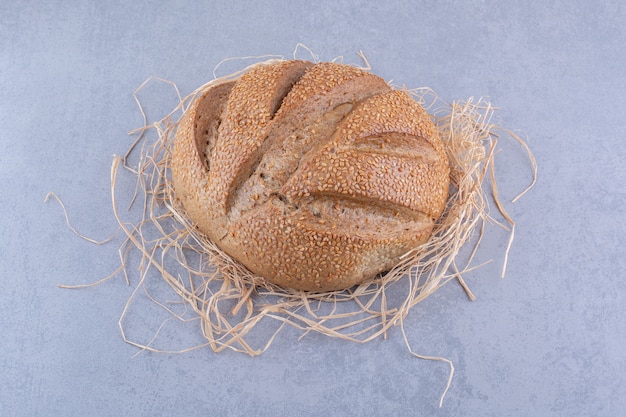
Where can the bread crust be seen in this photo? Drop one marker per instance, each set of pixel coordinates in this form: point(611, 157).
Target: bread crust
point(314, 176)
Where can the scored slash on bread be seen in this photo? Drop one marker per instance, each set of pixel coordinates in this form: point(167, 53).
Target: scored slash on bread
point(314, 176)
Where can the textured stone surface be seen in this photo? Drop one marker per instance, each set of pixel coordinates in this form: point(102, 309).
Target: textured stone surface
point(546, 340)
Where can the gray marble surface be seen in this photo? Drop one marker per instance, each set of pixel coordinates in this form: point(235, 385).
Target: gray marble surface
point(546, 340)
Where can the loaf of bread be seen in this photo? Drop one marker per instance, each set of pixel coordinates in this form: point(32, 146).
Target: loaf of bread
point(313, 176)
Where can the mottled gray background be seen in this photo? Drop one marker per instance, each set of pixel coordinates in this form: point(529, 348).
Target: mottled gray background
point(546, 340)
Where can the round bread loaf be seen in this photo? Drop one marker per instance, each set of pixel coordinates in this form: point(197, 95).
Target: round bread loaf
point(314, 176)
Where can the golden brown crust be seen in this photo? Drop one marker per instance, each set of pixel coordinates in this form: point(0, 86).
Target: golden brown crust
point(190, 165)
point(318, 176)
